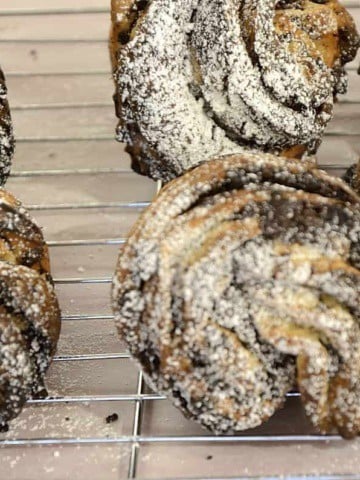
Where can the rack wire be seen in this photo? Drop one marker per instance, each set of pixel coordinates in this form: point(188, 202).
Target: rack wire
point(136, 438)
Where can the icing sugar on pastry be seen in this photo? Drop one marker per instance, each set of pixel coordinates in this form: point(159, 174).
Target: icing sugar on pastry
point(196, 79)
point(239, 282)
point(29, 311)
point(6, 133)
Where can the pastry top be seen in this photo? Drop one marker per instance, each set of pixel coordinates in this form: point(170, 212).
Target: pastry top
point(29, 328)
point(7, 142)
point(240, 281)
point(29, 310)
point(21, 240)
point(195, 80)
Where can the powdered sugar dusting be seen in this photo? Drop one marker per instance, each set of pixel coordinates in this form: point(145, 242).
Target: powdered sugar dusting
point(248, 273)
point(7, 141)
point(29, 312)
point(197, 79)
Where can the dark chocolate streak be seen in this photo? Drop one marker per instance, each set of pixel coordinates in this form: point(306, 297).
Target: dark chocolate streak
point(223, 254)
point(29, 314)
point(7, 142)
point(175, 107)
point(35, 345)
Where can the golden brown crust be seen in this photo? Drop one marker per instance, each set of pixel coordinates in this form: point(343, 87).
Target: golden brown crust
point(326, 26)
point(298, 67)
point(124, 17)
point(241, 280)
point(21, 240)
point(29, 310)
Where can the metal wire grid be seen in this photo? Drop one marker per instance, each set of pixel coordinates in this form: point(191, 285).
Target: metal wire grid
point(136, 439)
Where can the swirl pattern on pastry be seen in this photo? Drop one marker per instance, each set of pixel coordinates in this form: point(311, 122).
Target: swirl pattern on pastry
point(7, 142)
point(29, 311)
point(240, 282)
point(198, 79)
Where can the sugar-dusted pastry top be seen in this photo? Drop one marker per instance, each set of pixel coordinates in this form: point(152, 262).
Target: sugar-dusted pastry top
point(198, 79)
point(29, 310)
point(240, 282)
point(7, 142)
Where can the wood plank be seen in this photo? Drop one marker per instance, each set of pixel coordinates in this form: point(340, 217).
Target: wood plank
point(353, 93)
point(60, 90)
point(66, 122)
point(89, 337)
point(255, 460)
point(77, 420)
point(86, 223)
point(55, 27)
point(21, 4)
point(97, 462)
point(84, 261)
point(354, 11)
point(346, 120)
point(92, 378)
point(119, 187)
point(37, 58)
point(339, 151)
point(65, 155)
point(84, 299)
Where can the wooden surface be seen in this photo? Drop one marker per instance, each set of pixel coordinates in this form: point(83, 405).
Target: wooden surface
point(60, 91)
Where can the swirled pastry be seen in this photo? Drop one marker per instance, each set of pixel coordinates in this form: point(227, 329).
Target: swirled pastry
point(240, 282)
point(6, 133)
point(29, 311)
point(198, 79)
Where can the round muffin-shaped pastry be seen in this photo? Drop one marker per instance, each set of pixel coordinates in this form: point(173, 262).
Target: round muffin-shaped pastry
point(240, 282)
point(7, 142)
point(199, 79)
point(29, 310)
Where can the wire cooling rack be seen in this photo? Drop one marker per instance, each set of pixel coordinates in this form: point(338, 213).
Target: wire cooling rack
point(101, 421)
